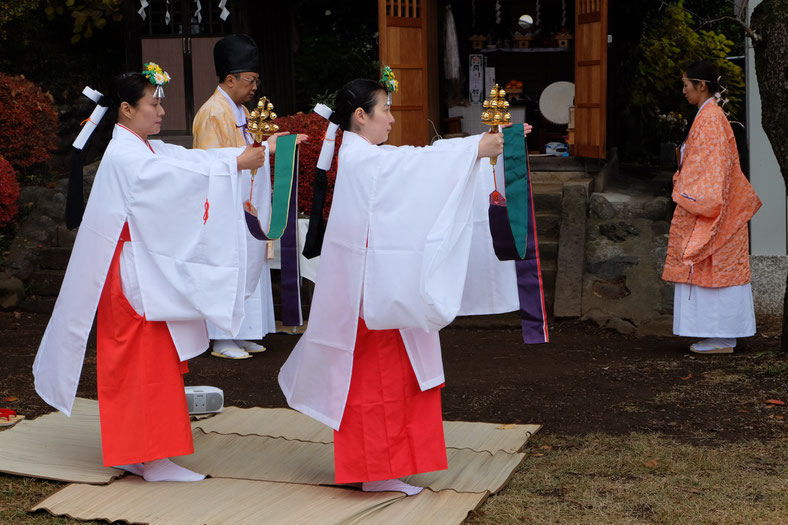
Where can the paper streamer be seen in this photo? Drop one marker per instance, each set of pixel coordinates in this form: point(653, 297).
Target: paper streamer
point(93, 120)
point(143, 6)
point(225, 11)
point(167, 16)
point(197, 13)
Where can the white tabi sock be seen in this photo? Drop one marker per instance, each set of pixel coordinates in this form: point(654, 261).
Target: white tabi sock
point(390, 485)
point(714, 342)
point(134, 468)
point(250, 346)
point(166, 470)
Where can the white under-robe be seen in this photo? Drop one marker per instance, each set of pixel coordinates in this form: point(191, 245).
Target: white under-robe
point(699, 311)
point(189, 253)
point(490, 284)
point(259, 307)
point(399, 234)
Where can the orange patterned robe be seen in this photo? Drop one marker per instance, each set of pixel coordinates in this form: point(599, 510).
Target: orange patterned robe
point(214, 124)
point(709, 241)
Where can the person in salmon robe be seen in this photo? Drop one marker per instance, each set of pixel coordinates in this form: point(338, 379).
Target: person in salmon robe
point(393, 266)
point(161, 248)
point(221, 122)
point(708, 247)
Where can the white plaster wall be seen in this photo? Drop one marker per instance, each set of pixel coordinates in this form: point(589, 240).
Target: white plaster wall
point(768, 227)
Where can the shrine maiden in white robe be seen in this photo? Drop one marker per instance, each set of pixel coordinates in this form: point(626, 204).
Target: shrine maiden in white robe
point(188, 252)
point(395, 253)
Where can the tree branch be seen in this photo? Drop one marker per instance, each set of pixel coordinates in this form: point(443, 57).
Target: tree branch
point(755, 37)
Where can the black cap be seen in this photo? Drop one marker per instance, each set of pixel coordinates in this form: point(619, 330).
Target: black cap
point(235, 54)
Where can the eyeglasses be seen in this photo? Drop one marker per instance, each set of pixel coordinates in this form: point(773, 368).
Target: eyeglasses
point(254, 81)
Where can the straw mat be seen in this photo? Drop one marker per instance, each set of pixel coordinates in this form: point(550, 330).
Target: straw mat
point(223, 501)
point(289, 424)
point(56, 447)
point(276, 459)
point(269, 465)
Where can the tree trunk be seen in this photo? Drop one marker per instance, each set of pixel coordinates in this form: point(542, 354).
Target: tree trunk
point(770, 21)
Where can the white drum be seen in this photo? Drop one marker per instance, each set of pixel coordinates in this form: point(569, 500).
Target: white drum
point(555, 100)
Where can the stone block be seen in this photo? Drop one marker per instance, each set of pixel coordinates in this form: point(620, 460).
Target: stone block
point(571, 254)
point(619, 231)
point(64, 237)
point(657, 209)
point(600, 208)
point(611, 288)
point(661, 325)
point(12, 291)
point(768, 283)
point(612, 268)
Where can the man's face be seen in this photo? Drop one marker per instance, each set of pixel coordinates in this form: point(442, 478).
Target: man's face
point(242, 86)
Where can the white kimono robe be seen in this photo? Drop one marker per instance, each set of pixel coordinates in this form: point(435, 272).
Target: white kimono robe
point(189, 269)
point(395, 253)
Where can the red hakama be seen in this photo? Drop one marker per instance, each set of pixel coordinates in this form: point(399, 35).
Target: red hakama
point(142, 402)
point(390, 428)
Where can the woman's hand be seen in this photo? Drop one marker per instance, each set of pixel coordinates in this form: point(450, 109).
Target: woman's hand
point(491, 145)
point(251, 158)
point(527, 128)
point(272, 140)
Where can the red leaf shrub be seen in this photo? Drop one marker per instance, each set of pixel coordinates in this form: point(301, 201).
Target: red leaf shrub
point(28, 122)
point(315, 126)
point(9, 192)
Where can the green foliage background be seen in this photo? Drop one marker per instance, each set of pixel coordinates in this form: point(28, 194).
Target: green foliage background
point(336, 43)
point(671, 40)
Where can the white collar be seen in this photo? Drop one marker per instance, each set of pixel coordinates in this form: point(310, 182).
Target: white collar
point(238, 110)
point(704, 104)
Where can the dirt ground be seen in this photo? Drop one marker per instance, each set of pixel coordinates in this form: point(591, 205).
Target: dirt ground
point(586, 380)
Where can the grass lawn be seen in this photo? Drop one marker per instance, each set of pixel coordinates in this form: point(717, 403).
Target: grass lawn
point(639, 478)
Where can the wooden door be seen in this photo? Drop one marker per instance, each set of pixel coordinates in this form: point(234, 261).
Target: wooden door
point(403, 30)
point(591, 78)
point(182, 44)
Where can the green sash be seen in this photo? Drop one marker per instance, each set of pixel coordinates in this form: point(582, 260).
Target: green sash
point(284, 175)
point(517, 190)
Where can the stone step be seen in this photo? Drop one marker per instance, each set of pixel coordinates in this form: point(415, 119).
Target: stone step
point(55, 258)
point(548, 248)
point(547, 196)
point(46, 282)
point(547, 224)
point(545, 163)
point(556, 176)
point(587, 183)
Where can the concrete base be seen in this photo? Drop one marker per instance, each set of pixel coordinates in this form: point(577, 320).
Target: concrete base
point(768, 284)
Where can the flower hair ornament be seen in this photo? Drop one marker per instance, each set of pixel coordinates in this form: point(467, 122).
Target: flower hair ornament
point(389, 82)
point(156, 76)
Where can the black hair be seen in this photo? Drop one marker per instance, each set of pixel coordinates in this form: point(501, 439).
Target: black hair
point(704, 70)
point(128, 87)
point(359, 93)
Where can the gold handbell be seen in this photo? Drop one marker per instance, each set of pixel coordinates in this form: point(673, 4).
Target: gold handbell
point(261, 103)
point(494, 113)
point(273, 116)
point(270, 106)
point(275, 128)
